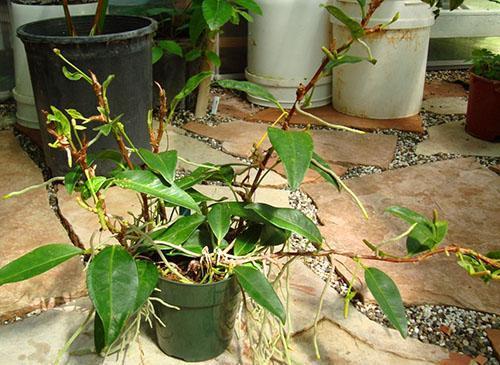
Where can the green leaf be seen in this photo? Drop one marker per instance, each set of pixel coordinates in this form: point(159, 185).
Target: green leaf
point(198, 175)
point(420, 239)
point(256, 285)
point(191, 85)
point(75, 114)
point(37, 262)
point(171, 47)
point(408, 215)
point(98, 334)
point(156, 54)
point(219, 219)
point(290, 219)
point(193, 55)
point(216, 13)
point(72, 178)
point(295, 150)
point(495, 255)
point(147, 275)
point(343, 60)
point(238, 209)
point(144, 181)
point(246, 241)
point(250, 5)
point(387, 295)
point(272, 236)
point(197, 25)
point(213, 58)
point(112, 283)
point(92, 185)
point(355, 28)
point(73, 76)
point(317, 160)
point(164, 163)
point(179, 231)
point(441, 231)
point(251, 89)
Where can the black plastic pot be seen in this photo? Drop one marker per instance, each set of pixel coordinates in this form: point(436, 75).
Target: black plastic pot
point(203, 326)
point(172, 72)
point(123, 49)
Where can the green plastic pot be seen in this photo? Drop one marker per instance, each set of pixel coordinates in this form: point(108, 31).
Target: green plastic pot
point(202, 328)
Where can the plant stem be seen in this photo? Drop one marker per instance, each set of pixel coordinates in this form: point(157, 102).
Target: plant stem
point(33, 187)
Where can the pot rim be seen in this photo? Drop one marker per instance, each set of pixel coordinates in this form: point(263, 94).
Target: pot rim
point(482, 78)
point(231, 277)
point(149, 27)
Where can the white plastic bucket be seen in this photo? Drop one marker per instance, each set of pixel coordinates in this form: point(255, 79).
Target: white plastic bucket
point(23, 93)
point(284, 49)
point(393, 88)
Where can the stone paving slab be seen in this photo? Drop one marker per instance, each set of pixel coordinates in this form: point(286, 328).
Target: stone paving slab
point(452, 138)
point(351, 340)
point(334, 146)
point(446, 105)
point(37, 340)
point(27, 222)
point(443, 88)
point(463, 192)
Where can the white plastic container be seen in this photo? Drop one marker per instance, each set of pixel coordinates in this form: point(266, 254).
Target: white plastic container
point(23, 93)
point(393, 88)
point(284, 49)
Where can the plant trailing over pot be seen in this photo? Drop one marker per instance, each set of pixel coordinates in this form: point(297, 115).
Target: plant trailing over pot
point(483, 107)
point(199, 250)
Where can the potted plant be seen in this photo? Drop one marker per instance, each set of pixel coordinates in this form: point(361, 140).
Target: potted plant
point(20, 13)
point(106, 44)
point(200, 251)
point(483, 107)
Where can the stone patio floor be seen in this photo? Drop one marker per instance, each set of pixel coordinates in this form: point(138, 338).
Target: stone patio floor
point(465, 193)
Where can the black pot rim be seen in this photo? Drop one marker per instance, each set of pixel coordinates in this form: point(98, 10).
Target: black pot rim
point(196, 284)
point(24, 33)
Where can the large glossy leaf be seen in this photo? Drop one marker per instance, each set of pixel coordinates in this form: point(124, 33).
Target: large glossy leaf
point(343, 60)
point(98, 334)
point(408, 215)
point(354, 27)
point(36, 262)
point(295, 150)
point(256, 285)
point(219, 219)
point(178, 232)
point(238, 209)
point(216, 13)
point(171, 47)
point(251, 89)
point(272, 236)
point(147, 275)
point(290, 219)
point(144, 181)
point(112, 283)
point(387, 295)
point(163, 162)
point(196, 24)
point(191, 84)
point(246, 241)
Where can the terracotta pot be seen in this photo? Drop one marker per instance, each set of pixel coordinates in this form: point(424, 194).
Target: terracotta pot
point(483, 108)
